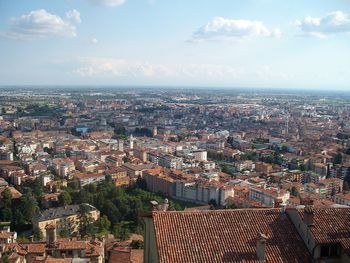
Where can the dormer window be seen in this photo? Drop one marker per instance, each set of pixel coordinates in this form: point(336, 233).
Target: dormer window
point(330, 251)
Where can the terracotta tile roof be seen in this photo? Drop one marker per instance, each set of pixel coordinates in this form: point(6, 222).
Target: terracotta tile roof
point(331, 225)
point(120, 255)
point(126, 255)
point(226, 236)
point(15, 193)
point(136, 256)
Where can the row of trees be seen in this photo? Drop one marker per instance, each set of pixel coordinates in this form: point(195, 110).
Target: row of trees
point(120, 208)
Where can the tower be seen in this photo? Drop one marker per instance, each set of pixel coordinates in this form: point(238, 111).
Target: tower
point(287, 124)
point(155, 131)
point(131, 141)
point(120, 145)
point(51, 235)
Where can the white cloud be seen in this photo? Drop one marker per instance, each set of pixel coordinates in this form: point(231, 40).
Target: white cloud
point(111, 3)
point(334, 22)
point(228, 29)
point(93, 41)
point(74, 16)
point(112, 67)
point(41, 24)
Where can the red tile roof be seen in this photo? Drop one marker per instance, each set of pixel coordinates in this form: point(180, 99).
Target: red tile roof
point(331, 225)
point(226, 236)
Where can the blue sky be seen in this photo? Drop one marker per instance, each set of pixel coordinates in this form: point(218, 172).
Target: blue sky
point(216, 43)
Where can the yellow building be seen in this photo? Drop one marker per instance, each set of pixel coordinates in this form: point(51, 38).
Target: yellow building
point(64, 218)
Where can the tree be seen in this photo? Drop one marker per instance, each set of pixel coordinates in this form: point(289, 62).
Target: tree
point(294, 191)
point(18, 219)
point(6, 196)
point(74, 184)
point(37, 234)
point(6, 205)
point(64, 232)
point(5, 258)
point(29, 206)
point(136, 244)
point(65, 199)
point(338, 158)
point(121, 230)
point(302, 167)
point(103, 224)
point(85, 221)
point(334, 191)
point(212, 202)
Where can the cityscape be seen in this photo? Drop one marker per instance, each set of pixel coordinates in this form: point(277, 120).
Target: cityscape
point(128, 136)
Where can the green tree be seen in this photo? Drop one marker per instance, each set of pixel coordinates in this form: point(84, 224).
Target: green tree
point(338, 158)
point(294, 191)
point(121, 230)
point(74, 184)
point(6, 196)
point(18, 219)
point(136, 244)
point(5, 258)
point(6, 205)
point(103, 224)
point(37, 235)
point(64, 232)
point(29, 206)
point(65, 198)
point(85, 220)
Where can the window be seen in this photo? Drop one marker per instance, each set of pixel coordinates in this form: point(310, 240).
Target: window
point(334, 251)
point(324, 251)
point(330, 251)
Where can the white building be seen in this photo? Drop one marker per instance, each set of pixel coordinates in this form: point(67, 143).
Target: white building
point(268, 197)
point(200, 155)
point(342, 199)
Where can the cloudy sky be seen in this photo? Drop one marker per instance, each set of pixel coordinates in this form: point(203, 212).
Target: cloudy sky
point(216, 43)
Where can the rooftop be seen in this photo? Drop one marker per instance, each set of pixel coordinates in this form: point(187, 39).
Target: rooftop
point(226, 236)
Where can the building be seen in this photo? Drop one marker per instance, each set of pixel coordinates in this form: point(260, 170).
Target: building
point(89, 178)
point(136, 170)
point(324, 232)
point(63, 218)
point(268, 197)
point(55, 250)
point(342, 199)
point(200, 155)
point(159, 182)
point(203, 193)
point(248, 235)
point(261, 167)
point(6, 236)
point(169, 161)
point(240, 235)
point(63, 166)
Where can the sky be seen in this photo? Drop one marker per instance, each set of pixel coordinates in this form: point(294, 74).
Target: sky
point(204, 43)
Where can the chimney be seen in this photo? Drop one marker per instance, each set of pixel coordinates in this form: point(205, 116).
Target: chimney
point(261, 246)
point(165, 206)
point(283, 208)
point(154, 205)
point(51, 236)
point(309, 216)
point(160, 207)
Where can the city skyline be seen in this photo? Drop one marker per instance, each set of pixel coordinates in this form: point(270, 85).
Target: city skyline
point(289, 44)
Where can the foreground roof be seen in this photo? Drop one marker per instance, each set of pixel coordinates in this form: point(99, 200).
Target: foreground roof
point(227, 236)
point(331, 226)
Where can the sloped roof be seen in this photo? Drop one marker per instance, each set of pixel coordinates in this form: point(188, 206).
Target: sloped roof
point(226, 236)
point(331, 225)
